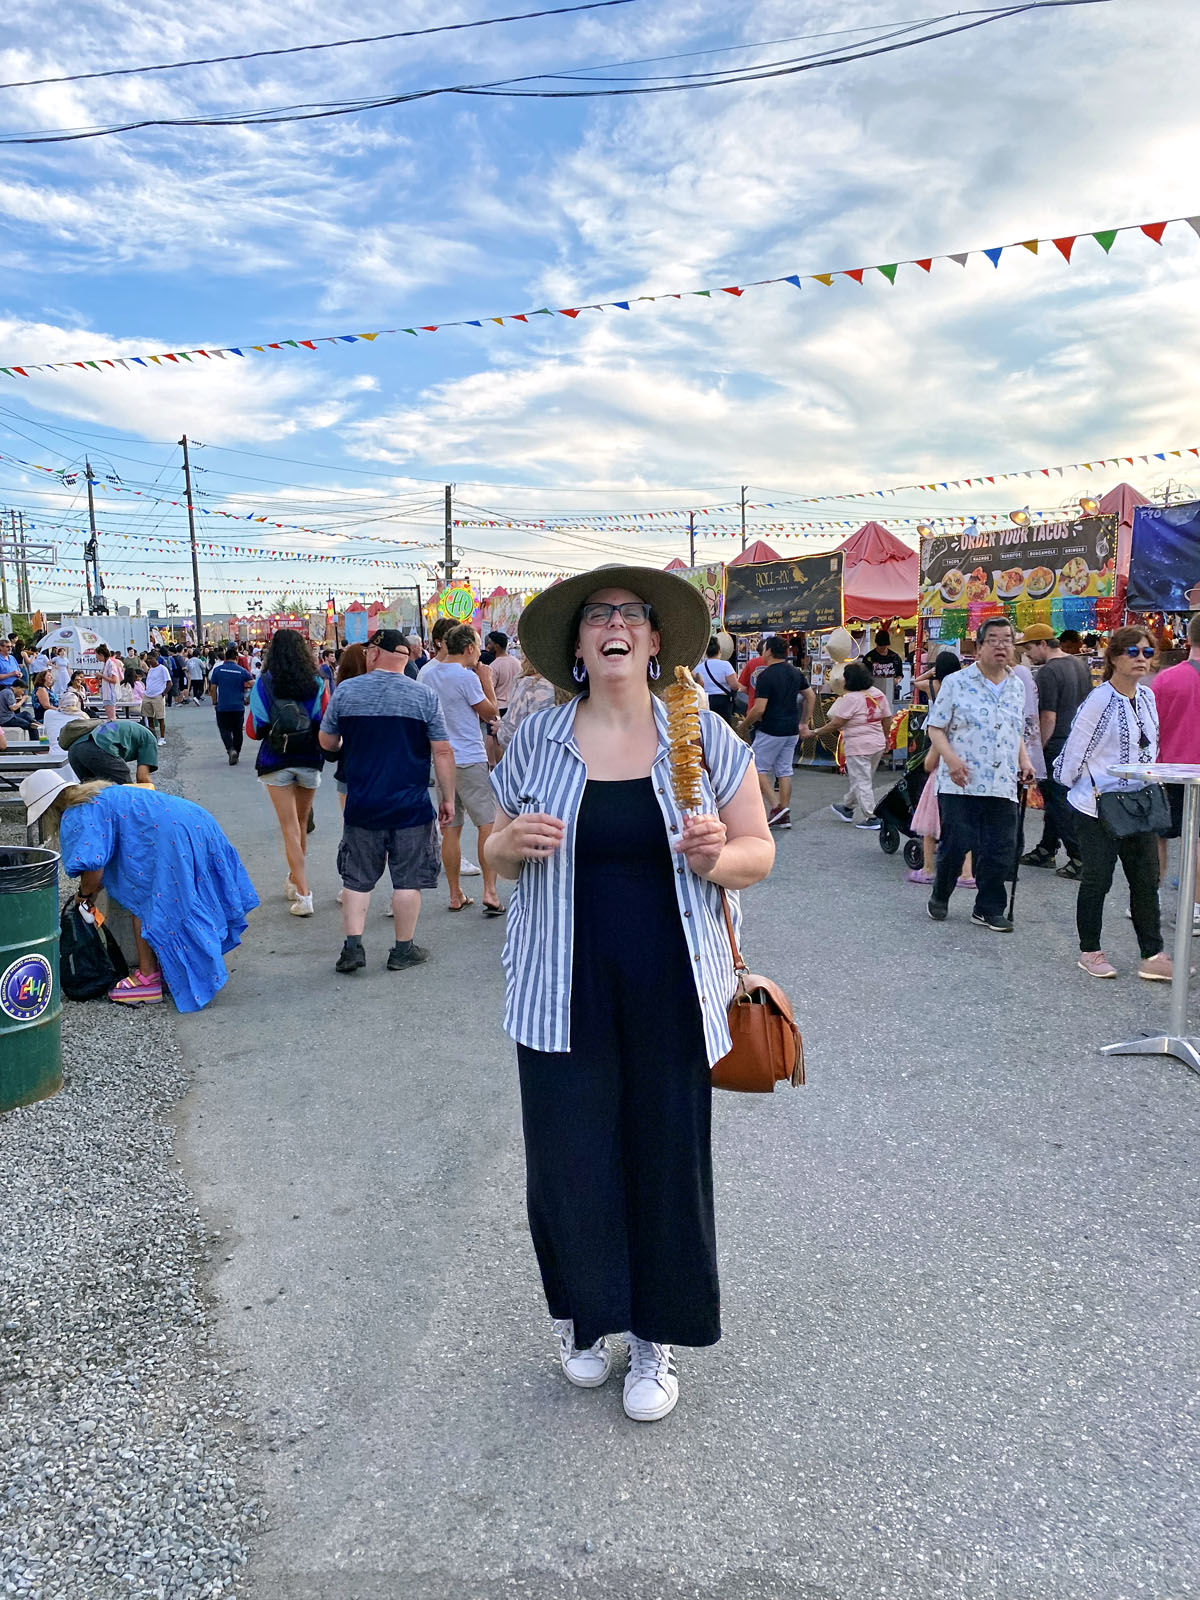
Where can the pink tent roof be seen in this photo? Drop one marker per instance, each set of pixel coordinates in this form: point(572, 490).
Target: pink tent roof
point(677, 565)
point(758, 551)
point(880, 575)
point(1121, 503)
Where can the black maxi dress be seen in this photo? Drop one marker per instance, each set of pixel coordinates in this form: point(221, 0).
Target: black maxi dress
point(618, 1127)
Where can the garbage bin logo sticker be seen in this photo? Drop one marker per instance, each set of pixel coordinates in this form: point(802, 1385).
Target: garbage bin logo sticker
point(26, 988)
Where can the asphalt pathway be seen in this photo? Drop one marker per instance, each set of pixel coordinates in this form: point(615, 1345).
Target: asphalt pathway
point(958, 1268)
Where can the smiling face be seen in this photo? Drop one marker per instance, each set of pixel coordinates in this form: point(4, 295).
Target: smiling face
point(617, 651)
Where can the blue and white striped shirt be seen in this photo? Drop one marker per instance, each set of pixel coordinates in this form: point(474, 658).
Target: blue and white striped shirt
point(542, 770)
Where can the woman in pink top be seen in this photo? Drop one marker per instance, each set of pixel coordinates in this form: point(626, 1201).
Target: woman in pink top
point(864, 721)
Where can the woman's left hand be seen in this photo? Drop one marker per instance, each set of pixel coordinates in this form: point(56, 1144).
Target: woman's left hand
point(703, 840)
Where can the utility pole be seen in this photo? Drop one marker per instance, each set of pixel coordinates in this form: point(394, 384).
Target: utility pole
point(449, 563)
point(3, 573)
point(12, 518)
point(28, 606)
point(692, 539)
point(187, 479)
point(91, 553)
point(744, 486)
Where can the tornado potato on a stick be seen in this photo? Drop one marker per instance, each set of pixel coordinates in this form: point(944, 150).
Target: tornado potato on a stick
point(683, 739)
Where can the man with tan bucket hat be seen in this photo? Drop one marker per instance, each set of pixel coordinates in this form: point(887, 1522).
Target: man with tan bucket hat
point(619, 973)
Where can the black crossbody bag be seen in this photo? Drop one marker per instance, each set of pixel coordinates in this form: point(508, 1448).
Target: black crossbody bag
point(1125, 812)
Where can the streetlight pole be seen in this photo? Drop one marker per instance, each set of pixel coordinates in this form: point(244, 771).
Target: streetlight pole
point(449, 563)
point(691, 538)
point(744, 487)
point(187, 478)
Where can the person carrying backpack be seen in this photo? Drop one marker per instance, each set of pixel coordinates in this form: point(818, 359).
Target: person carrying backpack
point(287, 703)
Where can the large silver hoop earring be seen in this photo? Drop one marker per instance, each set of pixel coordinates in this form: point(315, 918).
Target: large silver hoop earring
point(655, 669)
point(579, 671)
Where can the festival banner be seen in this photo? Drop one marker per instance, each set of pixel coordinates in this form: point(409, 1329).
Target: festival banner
point(803, 594)
point(1164, 562)
point(201, 356)
point(1006, 566)
point(710, 581)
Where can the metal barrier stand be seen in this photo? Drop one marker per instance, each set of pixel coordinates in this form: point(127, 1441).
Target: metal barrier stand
point(1176, 1041)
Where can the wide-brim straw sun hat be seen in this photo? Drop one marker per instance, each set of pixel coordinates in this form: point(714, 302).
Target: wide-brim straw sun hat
point(41, 789)
point(547, 636)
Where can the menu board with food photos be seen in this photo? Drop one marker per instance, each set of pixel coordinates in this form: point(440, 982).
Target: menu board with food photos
point(1049, 561)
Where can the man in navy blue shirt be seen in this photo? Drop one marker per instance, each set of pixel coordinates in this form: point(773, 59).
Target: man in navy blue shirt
point(227, 684)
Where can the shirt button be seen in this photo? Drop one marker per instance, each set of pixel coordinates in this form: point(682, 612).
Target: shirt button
point(679, 870)
point(674, 829)
point(696, 957)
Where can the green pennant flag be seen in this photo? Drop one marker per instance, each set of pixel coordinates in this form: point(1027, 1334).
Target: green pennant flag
point(706, 292)
point(544, 312)
point(1105, 238)
point(95, 364)
point(890, 271)
point(413, 331)
point(183, 355)
point(6, 371)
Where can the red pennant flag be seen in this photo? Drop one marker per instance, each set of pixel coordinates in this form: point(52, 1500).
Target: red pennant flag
point(991, 480)
point(1154, 230)
point(731, 291)
point(1045, 472)
point(855, 272)
point(519, 316)
point(434, 329)
point(926, 265)
point(22, 371)
point(274, 347)
point(1065, 245)
point(176, 358)
point(572, 311)
point(309, 344)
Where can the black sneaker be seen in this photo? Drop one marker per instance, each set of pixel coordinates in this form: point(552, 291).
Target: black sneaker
point(351, 958)
point(1039, 858)
point(1072, 871)
point(999, 924)
point(937, 909)
point(870, 824)
point(843, 813)
point(233, 758)
point(412, 957)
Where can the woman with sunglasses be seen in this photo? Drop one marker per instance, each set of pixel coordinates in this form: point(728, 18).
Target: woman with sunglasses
point(619, 973)
point(1116, 724)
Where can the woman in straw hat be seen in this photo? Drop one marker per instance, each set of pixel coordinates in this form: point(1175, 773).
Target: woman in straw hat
point(167, 862)
point(619, 972)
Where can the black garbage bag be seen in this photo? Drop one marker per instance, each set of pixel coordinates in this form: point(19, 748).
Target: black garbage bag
point(89, 958)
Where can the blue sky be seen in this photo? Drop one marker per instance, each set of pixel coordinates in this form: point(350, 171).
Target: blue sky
point(1053, 122)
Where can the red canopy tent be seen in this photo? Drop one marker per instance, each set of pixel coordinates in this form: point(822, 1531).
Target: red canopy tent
point(676, 565)
point(1121, 503)
point(758, 551)
point(880, 575)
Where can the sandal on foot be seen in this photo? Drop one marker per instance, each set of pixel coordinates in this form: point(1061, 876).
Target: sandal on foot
point(462, 905)
point(138, 989)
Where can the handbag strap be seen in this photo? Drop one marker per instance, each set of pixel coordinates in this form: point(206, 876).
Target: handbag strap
point(739, 964)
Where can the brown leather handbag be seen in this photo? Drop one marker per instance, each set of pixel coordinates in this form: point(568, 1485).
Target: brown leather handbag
point(767, 1047)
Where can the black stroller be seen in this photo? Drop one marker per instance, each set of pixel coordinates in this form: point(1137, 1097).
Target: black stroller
point(895, 809)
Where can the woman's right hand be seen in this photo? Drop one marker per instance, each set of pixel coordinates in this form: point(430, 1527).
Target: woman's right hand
point(533, 835)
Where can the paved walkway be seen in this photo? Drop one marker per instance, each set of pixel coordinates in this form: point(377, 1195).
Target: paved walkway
point(958, 1269)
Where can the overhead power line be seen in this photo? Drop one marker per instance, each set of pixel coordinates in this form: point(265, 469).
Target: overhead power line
point(301, 49)
point(510, 87)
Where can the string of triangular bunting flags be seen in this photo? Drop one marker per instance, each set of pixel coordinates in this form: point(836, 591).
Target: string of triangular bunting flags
point(1064, 244)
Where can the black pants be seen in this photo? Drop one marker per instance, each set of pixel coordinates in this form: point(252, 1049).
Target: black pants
point(229, 725)
point(1061, 818)
point(19, 719)
point(88, 761)
point(1100, 852)
point(987, 828)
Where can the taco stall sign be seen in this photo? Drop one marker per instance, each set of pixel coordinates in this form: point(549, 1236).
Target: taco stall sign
point(1053, 561)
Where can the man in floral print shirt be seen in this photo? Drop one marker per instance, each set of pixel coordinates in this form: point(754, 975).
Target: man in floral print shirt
point(976, 725)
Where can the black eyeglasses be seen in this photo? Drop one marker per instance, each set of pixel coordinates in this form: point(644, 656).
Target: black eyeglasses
point(1136, 650)
point(598, 613)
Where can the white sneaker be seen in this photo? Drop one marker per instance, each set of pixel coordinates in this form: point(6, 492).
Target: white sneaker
point(586, 1369)
point(651, 1387)
point(161, 742)
point(302, 905)
point(290, 889)
point(468, 869)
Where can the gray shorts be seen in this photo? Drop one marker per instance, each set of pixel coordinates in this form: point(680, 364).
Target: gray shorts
point(775, 753)
point(410, 854)
point(473, 796)
point(285, 777)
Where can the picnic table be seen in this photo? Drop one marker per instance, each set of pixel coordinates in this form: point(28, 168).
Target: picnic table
point(18, 764)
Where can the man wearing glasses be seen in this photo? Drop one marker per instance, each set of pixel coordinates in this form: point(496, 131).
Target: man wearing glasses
point(977, 726)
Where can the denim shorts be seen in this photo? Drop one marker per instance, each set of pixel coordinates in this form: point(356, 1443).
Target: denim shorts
point(285, 777)
point(774, 753)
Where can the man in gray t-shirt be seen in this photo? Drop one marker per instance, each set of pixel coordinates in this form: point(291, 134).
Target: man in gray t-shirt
point(465, 701)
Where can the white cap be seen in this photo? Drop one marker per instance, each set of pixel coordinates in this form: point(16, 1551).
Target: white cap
point(40, 790)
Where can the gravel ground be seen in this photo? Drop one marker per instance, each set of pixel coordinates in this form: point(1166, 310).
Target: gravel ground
point(127, 1455)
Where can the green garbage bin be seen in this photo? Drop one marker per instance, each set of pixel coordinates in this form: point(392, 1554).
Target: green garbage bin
point(30, 998)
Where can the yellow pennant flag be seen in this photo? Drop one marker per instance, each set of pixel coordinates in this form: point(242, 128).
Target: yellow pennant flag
point(824, 277)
